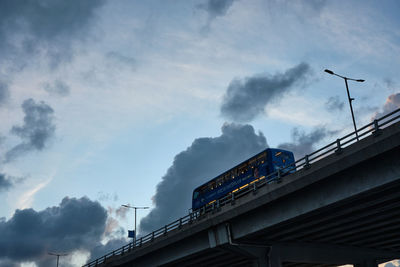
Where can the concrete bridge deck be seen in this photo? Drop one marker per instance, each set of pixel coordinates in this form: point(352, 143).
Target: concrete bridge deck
point(344, 209)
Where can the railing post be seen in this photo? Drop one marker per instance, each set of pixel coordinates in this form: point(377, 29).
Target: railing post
point(180, 221)
point(307, 162)
point(152, 236)
point(141, 241)
point(165, 229)
point(339, 147)
point(376, 131)
point(279, 176)
point(104, 260)
point(254, 188)
point(96, 262)
point(190, 218)
point(122, 253)
point(233, 198)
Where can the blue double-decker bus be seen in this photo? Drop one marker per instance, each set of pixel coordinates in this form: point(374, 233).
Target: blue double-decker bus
point(248, 172)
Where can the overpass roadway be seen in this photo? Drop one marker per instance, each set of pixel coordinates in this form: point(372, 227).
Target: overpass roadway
point(343, 209)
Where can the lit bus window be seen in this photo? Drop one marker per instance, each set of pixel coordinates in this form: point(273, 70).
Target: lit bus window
point(261, 158)
point(220, 181)
point(211, 185)
point(234, 173)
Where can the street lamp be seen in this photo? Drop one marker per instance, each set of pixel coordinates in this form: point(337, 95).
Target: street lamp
point(136, 208)
point(58, 255)
point(348, 95)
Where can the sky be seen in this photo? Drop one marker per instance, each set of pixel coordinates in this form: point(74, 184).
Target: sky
point(104, 103)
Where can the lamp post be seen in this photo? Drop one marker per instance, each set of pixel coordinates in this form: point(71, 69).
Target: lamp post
point(58, 255)
point(348, 95)
point(135, 208)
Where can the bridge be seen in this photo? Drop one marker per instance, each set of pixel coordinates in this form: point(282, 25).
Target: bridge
point(341, 206)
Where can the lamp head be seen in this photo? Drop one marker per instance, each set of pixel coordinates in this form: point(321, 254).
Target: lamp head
point(329, 71)
point(360, 80)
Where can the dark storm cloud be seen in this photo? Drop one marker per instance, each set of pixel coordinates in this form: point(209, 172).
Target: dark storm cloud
point(244, 100)
point(334, 104)
point(76, 224)
point(392, 103)
point(30, 27)
point(58, 88)
point(203, 160)
point(303, 144)
point(4, 92)
point(36, 131)
point(5, 182)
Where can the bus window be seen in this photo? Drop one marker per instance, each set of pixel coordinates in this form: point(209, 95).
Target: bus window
point(234, 173)
point(195, 194)
point(242, 168)
point(227, 177)
point(261, 158)
point(252, 162)
point(220, 181)
point(282, 156)
point(203, 189)
point(211, 185)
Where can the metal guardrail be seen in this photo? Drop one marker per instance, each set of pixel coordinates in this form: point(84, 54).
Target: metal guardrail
point(335, 147)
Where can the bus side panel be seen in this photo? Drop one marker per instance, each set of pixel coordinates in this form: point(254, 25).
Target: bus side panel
point(230, 186)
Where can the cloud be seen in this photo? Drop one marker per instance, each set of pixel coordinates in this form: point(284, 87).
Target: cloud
point(58, 88)
point(216, 8)
point(37, 130)
point(116, 58)
point(5, 182)
point(334, 104)
point(102, 196)
point(392, 103)
point(46, 27)
point(102, 250)
point(76, 224)
point(303, 144)
point(245, 100)
point(203, 160)
point(4, 92)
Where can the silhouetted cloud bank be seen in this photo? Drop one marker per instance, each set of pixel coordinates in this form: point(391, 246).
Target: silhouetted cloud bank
point(74, 224)
point(37, 130)
point(203, 160)
point(246, 99)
